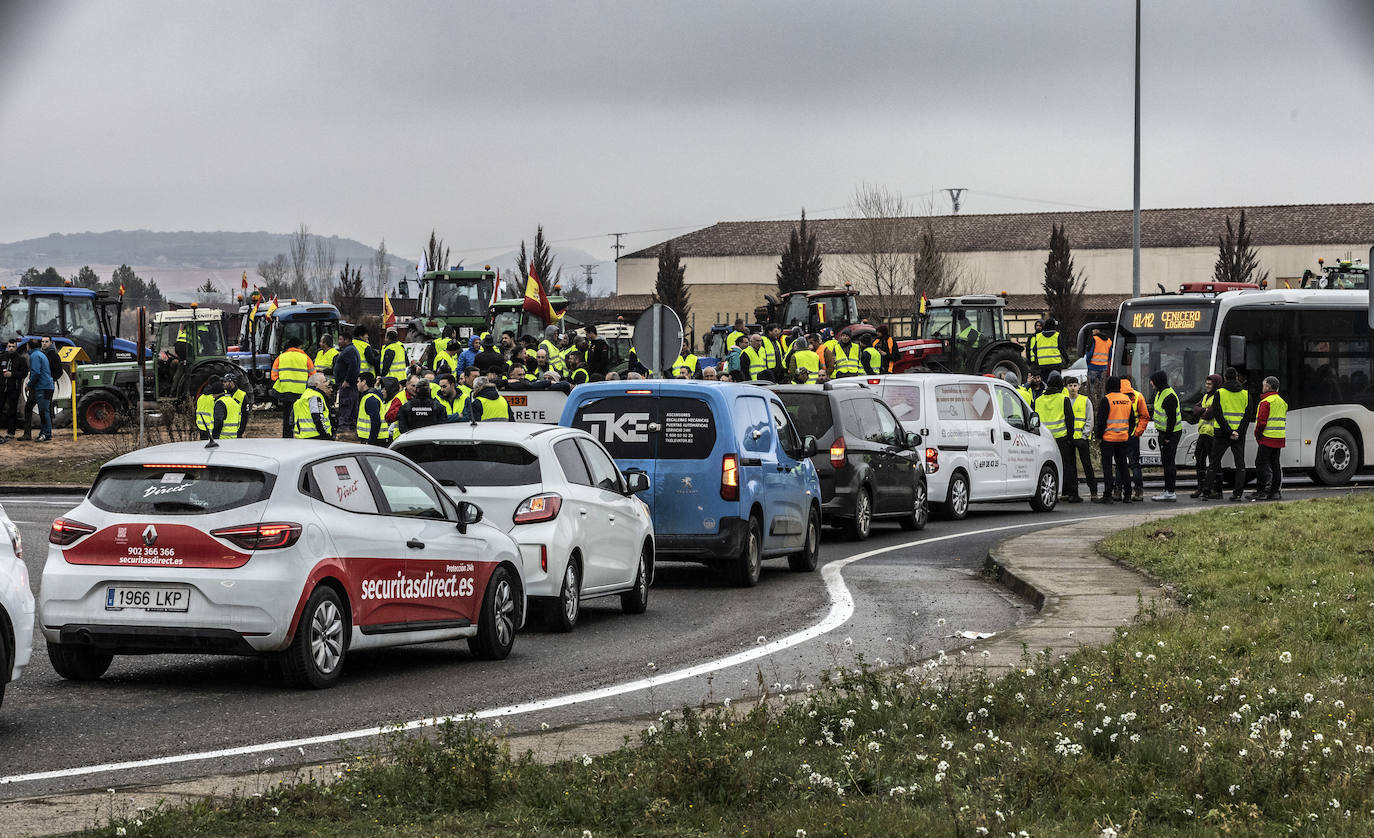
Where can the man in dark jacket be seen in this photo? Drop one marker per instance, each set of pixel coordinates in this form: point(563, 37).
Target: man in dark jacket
point(1055, 409)
point(489, 362)
point(1232, 414)
point(420, 409)
point(1169, 423)
point(347, 366)
point(14, 368)
point(598, 355)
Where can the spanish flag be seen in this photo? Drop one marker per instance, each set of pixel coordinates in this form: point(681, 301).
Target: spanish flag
point(271, 305)
point(388, 313)
point(537, 302)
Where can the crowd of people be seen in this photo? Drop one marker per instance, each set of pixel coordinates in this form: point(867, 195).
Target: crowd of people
point(34, 362)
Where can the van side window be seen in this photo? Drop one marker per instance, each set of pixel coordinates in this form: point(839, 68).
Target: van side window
point(787, 433)
point(1013, 408)
point(574, 469)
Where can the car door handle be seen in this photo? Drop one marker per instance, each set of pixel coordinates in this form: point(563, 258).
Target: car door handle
point(582, 512)
point(416, 544)
point(992, 435)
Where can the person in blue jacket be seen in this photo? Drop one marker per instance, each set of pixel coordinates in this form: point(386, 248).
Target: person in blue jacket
point(41, 385)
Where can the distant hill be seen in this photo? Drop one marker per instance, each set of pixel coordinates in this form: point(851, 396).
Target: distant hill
point(179, 261)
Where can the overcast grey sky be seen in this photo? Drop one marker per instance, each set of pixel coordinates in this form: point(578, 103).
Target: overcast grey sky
point(384, 120)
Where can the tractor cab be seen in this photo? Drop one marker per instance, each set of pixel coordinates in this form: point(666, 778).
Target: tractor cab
point(832, 308)
point(455, 298)
point(70, 316)
point(1345, 275)
point(967, 334)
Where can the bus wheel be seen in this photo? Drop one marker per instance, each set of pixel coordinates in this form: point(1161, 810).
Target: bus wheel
point(1337, 457)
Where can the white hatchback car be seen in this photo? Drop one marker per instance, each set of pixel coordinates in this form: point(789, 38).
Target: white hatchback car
point(582, 532)
point(305, 550)
point(16, 606)
point(982, 441)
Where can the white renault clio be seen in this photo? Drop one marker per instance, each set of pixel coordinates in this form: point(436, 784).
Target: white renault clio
point(582, 532)
point(304, 550)
point(982, 441)
point(16, 606)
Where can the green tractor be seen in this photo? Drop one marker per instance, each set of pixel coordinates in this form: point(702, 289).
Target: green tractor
point(510, 316)
point(189, 351)
point(455, 298)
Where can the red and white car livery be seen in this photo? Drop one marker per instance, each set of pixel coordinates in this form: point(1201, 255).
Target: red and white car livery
point(300, 549)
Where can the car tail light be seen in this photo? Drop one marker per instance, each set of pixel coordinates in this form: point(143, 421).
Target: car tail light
point(544, 557)
point(932, 460)
point(260, 536)
point(875, 381)
point(838, 453)
point(729, 477)
point(538, 508)
point(66, 531)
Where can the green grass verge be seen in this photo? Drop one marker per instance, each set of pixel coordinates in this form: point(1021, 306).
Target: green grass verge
point(1249, 712)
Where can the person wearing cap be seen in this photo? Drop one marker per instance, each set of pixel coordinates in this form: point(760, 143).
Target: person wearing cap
point(205, 406)
point(489, 361)
point(468, 355)
point(1206, 429)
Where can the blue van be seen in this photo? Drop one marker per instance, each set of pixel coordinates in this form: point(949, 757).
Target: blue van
point(731, 480)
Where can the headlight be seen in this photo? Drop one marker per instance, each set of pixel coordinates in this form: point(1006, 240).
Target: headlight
point(16, 540)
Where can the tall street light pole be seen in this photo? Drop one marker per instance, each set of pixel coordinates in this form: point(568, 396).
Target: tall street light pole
point(1135, 215)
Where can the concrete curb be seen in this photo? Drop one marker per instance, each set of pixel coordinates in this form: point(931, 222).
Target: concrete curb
point(43, 489)
point(1080, 595)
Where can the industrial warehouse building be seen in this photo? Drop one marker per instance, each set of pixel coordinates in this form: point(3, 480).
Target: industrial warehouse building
point(732, 264)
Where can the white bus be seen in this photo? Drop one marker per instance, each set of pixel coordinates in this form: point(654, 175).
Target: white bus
point(1316, 342)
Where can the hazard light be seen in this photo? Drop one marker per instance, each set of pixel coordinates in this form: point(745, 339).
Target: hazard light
point(875, 381)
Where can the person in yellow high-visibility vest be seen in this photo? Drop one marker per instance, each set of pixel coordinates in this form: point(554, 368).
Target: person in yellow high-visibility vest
point(753, 360)
point(324, 359)
point(372, 426)
point(228, 418)
point(290, 372)
point(205, 407)
point(1056, 412)
point(845, 360)
point(393, 358)
point(1231, 410)
point(1271, 433)
point(311, 410)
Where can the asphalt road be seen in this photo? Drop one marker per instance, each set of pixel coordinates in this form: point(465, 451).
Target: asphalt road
point(894, 597)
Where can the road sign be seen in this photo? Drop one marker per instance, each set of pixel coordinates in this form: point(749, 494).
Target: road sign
point(658, 337)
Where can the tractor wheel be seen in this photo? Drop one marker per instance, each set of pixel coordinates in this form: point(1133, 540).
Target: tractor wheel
point(1004, 359)
point(201, 375)
point(100, 411)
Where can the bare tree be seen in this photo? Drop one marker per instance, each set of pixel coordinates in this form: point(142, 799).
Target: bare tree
point(273, 273)
point(381, 269)
point(300, 261)
point(322, 267)
point(882, 266)
point(934, 272)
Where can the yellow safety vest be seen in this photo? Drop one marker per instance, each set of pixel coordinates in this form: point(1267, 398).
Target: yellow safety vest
point(755, 361)
point(365, 419)
point(688, 363)
point(464, 393)
point(1233, 405)
point(731, 338)
point(205, 412)
point(770, 352)
point(395, 427)
point(293, 370)
point(394, 361)
point(362, 347)
point(233, 416)
point(305, 422)
point(807, 360)
point(1207, 427)
point(1277, 426)
point(443, 359)
point(450, 407)
point(1080, 415)
point(325, 358)
point(555, 356)
point(875, 358)
point(494, 409)
point(1046, 350)
point(847, 362)
point(1162, 420)
point(1050, 406)
point(1025, 394)
point(832, 345)
point(441, 345)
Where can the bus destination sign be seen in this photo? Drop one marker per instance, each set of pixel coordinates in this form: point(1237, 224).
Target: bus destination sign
point(1173, 320)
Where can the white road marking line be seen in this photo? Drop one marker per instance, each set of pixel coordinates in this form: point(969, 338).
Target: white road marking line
point(841, 609)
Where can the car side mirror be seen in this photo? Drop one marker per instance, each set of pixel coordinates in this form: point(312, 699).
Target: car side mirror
point(636, 481)
point(1035, 422)
point(809, 446)
point(913, 440)
point(468, 513)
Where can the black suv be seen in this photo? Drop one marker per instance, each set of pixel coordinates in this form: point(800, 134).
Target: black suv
point(869, 467)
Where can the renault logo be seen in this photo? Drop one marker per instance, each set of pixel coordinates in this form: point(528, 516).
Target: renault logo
point(150, 535)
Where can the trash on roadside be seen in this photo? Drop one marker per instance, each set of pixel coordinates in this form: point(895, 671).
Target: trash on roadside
point(975, 635)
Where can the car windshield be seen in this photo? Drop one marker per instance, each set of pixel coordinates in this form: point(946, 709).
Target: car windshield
point(464, 463)
point(178, 490)
point(462, 298)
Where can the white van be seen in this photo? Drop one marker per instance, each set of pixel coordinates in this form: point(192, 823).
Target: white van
point(982, 441)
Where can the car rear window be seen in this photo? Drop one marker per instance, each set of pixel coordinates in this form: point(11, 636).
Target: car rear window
point(646, 427)
point(465, 463)
point(810, 412)
point(178, 490)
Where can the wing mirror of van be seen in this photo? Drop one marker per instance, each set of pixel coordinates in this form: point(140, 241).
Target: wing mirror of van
point(468, 513)
point(913, 440)
point(809, 446)
point(1035, 422)
point(636, 481)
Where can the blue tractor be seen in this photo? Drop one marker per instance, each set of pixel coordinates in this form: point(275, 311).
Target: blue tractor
point(262, 337)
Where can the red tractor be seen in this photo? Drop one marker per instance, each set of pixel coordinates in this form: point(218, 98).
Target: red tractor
point(965, 334)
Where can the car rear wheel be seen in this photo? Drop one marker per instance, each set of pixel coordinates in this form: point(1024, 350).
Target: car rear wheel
point(810, 554)
point(956, 502)
point(861, 524)
point(1046, 490)
point(314, 660)
point(78, 663)
point(561, 614)
point(496, 626)
point(745, 570)
point(920, 509)
point(636, 600)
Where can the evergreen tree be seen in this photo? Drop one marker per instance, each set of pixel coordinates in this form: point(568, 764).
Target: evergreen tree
point(348, 293)
point(1063, 287)
point(436, 255)
point(670, 288)
point(33, 278)
point(137, 291)
point(799, 269)
point(86, 278)
point(1237, 260)
point(541, 260)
